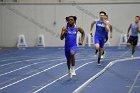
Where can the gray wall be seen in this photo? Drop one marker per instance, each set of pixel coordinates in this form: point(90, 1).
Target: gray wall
point(81, 1)
point(48, 19)
point(8, 0)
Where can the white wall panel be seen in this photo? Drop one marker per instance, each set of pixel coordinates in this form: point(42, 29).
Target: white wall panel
point(48, 19)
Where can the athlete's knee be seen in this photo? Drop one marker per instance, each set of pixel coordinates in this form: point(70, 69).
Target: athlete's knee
point(128, 44)
point(97, 46)
point(72, 53)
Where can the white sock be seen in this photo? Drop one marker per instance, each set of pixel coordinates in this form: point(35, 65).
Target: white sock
point(73, 67)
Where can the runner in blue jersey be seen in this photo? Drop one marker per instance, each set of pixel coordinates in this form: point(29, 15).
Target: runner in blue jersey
point(132, 32)
point(106, 35)
point(69, 32)
point(102, 26)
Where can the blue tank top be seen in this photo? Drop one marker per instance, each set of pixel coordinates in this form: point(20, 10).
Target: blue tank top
point(133, 30)
point(100, 29)
point(70, 37)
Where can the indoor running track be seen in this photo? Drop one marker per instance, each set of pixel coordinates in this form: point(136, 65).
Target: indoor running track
point(44, 70)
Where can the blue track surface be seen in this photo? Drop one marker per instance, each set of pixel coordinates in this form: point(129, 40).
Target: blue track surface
point(117, 79)
point(36, 70)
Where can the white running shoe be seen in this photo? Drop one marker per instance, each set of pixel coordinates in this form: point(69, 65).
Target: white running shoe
point(98, 64)
point(73, 73)
point(70, 74)
point(132, 56)
point(95, 55)
point(102, 56)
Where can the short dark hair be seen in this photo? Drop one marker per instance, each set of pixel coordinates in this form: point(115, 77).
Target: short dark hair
point(67, 18)
point(102, 12)
point(138, 17)
point(106, 15)
point(74, 17)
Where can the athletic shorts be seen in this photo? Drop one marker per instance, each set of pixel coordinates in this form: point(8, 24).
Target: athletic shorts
point(99, 40)
point(133, 40)
point(68, 51)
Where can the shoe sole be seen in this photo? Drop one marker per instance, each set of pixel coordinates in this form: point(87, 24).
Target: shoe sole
point(98, 64)
point(70, 75)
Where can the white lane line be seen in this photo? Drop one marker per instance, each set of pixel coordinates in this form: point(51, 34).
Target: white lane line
point(60, 78)
point(135, 80)
point(1, 70)
point(19, 57)
point(134, 86)
point(26, 60)
point(12, 58)
point(65, 76)
point(28, 66)
point(34, 71)
point(31, 76)
point(80, 88)
point(22, 61)
point(35, 74)
point(27, 74)
point(34, 64)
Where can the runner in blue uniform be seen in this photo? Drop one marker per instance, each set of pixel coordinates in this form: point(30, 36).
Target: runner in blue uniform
point(102, 26)
point(69, 32)
point(106, 35)
point(134, 29)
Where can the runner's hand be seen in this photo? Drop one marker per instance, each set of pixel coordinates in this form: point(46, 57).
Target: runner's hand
point(91, 34)
point(80, 43)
